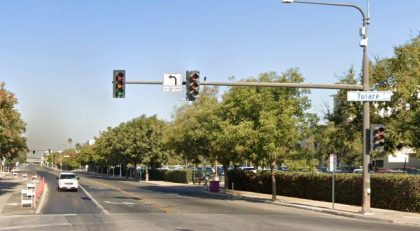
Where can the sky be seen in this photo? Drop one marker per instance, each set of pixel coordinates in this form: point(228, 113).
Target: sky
point(58, 56)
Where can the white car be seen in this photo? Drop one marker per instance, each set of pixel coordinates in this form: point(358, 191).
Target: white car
point(67, 180)
point(251, 169)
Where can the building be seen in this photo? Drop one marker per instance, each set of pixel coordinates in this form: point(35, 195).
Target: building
point(401, 159)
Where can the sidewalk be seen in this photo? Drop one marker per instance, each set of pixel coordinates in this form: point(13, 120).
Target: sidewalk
point(8, 186)
point(382, 215)
point(10, 196)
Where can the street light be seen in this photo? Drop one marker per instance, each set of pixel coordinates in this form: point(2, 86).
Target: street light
point(366, 107)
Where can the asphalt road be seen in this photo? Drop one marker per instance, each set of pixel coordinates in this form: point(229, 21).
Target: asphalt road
point(124, 205)
point(66, 202)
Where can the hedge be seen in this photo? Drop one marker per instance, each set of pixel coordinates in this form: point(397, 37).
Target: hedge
point(178, 176)
point(389, 191)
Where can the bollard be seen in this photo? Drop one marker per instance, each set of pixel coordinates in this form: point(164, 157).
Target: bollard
point(233, 186)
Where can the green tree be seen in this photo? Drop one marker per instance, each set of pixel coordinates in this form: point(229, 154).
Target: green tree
point(347, 119)
point(143, 140)
point(401, 75)
point(191, 133)
point(276, 115)
point(70, 141)
point(12, 142)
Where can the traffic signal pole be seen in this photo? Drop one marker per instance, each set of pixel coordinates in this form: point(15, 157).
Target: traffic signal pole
point(366, 87)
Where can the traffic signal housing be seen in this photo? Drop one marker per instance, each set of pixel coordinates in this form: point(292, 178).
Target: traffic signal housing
point(377, 137)
point(118, 83)
point(192, 84)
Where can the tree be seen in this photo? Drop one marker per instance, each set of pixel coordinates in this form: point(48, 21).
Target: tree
point(276, 115)
point(143, 140)
point(347, 119)
point(192, 131)
point(12, 142)
point(137, 141)
point(401, 75)
point(70, 141)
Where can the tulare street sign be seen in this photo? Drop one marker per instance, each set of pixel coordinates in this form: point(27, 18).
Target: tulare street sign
point(371, 96)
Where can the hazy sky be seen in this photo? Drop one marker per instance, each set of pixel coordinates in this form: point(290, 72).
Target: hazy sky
point(58, 56)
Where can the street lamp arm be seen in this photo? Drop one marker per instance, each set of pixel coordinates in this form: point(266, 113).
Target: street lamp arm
point(335, 4)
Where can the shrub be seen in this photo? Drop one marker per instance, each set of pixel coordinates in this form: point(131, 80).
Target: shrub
point(178, 176)
point(157, 174)
point(398, 192)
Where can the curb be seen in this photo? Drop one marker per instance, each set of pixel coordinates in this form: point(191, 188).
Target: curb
point(42, 201)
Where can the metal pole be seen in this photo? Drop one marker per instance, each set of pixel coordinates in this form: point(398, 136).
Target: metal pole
point(366, 87)
point(267, 84)
point(333, 188)
point(366, 121)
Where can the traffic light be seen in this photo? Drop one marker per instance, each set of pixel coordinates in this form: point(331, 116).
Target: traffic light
point(192, 84)
point(377, 137)
point(33, 152)
point(49, 150)
point(118, 83)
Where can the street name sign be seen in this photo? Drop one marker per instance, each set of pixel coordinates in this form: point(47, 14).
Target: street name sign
point(371, 96)
point(172, 82)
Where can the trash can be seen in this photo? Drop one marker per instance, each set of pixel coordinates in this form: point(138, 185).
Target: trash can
point(214, 186)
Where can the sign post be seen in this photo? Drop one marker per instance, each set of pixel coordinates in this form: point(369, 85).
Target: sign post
point(333, 166)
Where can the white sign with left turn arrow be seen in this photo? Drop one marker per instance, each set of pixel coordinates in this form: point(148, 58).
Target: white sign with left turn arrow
point(172, 82)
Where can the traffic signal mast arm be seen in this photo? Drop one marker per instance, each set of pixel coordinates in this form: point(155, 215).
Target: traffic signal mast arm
point(267, 84)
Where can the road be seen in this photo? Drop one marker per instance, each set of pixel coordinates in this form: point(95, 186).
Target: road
point(109, 204)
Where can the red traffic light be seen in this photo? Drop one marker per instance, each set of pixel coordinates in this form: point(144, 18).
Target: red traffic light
point(192, 84)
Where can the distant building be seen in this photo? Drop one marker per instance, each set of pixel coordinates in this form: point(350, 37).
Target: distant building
point(404, 158)
point(91, 142)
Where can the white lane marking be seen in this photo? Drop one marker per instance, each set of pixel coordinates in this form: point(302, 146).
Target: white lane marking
point(42, 201)
point(13, 204)
point(34, 226)
point(94, 201)
point(120, 203)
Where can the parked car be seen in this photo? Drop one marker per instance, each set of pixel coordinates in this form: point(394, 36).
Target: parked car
point(252, 169)
point(282, 168)
point(358, 170)
point(204, 173)
point(322, 169)
point(68, 181)
point(176, 167)
point(220, 171)
point(346, 169)
point(412, 171)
